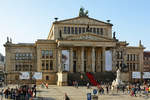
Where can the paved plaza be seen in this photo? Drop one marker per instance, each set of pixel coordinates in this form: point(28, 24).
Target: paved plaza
point(80, 93)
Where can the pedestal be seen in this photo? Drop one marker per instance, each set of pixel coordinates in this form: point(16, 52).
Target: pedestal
point(62, 79)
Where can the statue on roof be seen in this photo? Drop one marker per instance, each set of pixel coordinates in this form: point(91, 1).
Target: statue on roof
point(83, 13)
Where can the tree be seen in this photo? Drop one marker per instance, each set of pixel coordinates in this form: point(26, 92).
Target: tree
point(82, 12)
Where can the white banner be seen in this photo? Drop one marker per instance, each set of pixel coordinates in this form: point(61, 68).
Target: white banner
point(146, 75)
point(24, 75)
point(65, 59)
point(108, 60)
point(136, 75)
point(37, 75)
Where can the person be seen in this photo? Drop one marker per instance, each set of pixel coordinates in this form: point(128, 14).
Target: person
point(107, 89)
point(88, 85)
point(47, 85)
point(66, 97)
point(1, 93)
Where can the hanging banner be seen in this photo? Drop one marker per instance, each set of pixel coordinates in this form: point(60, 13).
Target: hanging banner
point(65, 60)
point(136, 75)
point(146, 75)
point(24, 75)
point(37, 75)
point(108, 60)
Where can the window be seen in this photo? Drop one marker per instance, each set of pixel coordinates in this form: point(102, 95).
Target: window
point(85, 54)
point(43, 64)
point(72, 30)
point(76, 30)
point(47, 77)
point(68, 30)
point(16, 68)
point(46, 53)
point(97, 30)
point(79, 30)
point(90, 29)
point(43, 54)
point(51, 54)
point(65, 30)
point(101, 31)
point(19, 67)
point(74, 54)
point(51, 65)
point(94, 30)
point(47, 65)
point(128, 57)
point(83, 29)
point(17, 56)
point(31, 67)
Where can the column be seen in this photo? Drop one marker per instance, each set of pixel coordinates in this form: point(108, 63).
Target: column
point(71, 60)
point(93, 59)
point(103, 57)
point(82, 59)
point(60, 60)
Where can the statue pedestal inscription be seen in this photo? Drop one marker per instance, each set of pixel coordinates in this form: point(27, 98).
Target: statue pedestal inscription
point(62, 78)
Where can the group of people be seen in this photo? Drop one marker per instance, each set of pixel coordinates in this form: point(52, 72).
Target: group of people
point(22, 93)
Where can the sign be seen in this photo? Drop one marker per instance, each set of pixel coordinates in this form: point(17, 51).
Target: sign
point(146, 75)
point(108, 60)
point(88, 96)
point(65, 60)
point(136, 75)
point(24, 75)
point(94, 91)
point(37, 75)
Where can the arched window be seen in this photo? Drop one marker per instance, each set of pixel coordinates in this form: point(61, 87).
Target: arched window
point(47, 77)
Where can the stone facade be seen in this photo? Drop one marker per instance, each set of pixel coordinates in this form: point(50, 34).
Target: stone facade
point(146, 61)
point(85, 39)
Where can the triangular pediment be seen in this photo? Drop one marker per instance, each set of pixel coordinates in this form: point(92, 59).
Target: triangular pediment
point(88, 36)
point(83, 20)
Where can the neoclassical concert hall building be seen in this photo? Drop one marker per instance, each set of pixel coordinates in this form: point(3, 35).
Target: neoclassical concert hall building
point(74, 47)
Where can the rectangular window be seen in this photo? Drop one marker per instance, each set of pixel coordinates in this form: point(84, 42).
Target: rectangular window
point(94, 30)
point(101, 31)
point(72, 30)
point(76, 30)
point(68, 30)
point(90, 29)
point(47, 53)
point(43, 65)
point(43, 54)
point(16, 69)
point(79, 30)
point(51, 54)
point(74, 54)
point(19, 67)
point(83, 29)
point(97, 30)
point(51, 65)
point(65, 30)
point(47, 65)
point(31, 67)
point(85, 56)
point(128, 57)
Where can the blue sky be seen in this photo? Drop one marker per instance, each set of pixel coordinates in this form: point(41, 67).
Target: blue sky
point(29, 20)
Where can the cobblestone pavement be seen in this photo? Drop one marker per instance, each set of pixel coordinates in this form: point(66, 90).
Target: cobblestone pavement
point(57, 93)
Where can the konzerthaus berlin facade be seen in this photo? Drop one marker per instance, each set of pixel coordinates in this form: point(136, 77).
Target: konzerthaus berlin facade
point(73, 47)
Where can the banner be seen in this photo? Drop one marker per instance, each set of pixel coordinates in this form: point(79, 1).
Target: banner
point(108, 60)
point(136, 75)
point(65, 60)
point(146, 75)
point(37, 75)
point(24, 75)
